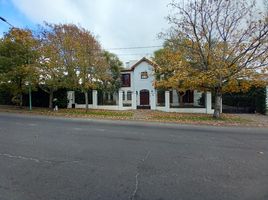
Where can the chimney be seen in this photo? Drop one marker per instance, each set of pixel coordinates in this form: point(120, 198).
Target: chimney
point(127, 64)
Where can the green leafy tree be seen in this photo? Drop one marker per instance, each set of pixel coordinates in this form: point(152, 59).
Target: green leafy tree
point(113, 79)
point(18, 58)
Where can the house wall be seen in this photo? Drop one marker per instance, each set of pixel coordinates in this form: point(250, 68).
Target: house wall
point(141, 84)
point(138, 84)
point(126, 89)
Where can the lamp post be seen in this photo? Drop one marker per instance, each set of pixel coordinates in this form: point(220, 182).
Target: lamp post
point(30, 97)
point(30, 93)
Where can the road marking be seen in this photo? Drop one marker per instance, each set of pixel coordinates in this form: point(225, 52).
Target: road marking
point(101, 130)
point(77, 129)
point(32, 124)
point(22, 158)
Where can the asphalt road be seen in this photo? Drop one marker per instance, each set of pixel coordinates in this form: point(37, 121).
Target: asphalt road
point(44, 158)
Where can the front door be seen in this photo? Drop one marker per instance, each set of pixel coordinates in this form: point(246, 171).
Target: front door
point(144, 97)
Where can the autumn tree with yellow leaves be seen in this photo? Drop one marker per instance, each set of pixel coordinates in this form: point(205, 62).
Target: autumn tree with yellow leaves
point(51, 69)
point(92, 65)
point(214, 45)
point(72, 58)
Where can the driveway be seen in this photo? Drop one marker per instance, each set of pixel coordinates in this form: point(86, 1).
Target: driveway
point(49, 158)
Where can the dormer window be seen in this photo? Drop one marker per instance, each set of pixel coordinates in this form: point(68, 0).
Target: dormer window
point(144, 75)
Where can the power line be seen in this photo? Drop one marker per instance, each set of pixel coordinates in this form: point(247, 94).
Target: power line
point(131, 54)
point(4, 20)
point(128, 48)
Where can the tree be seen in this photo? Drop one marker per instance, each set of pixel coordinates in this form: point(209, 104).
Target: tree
point(81, 57)
point(216, 46)
point(112, 82)
point(51, 68)
point(65, 38)
point(18, 58)
point(91, 62)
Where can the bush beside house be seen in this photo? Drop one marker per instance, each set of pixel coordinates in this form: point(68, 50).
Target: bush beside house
point(253, 101)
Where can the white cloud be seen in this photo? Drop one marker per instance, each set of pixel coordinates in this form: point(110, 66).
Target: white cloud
point(49, 10)
point(120, 23)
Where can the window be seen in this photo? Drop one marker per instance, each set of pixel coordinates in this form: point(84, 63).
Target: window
point(129, 95)
point(144, 75)
point(125, 78)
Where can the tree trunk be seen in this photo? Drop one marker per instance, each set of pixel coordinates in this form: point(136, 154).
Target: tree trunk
point(181, 95)
point(86, 100)
point(217, 107)
point(51, 99)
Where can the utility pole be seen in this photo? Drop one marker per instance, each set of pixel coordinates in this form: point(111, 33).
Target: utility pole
point(30, 97)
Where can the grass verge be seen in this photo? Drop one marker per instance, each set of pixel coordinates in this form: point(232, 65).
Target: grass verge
point(197, 118)
point(139, 115)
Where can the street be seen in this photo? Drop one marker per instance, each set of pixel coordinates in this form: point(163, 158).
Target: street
point(46, 158)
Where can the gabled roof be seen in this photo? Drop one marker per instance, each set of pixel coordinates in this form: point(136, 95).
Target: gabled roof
point(144, 59)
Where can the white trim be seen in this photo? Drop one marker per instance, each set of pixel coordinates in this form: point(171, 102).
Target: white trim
point(186, 110)
point(103, 107)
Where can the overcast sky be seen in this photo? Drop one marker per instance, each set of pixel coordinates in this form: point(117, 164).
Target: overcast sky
point(117, 23)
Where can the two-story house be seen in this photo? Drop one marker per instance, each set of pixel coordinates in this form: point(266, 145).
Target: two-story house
point(138, 92)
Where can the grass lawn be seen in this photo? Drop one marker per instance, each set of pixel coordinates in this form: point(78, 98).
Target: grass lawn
point(93, 112)
point(206, 119)
point(195, 117)
point(71, 112)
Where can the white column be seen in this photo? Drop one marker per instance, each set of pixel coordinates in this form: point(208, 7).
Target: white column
point(156, 97)
point(175, 98)
point(94, 98)
point(134, 100)
point(71, 98)
point(167, 101)
point(138, 97)
point(120, 100)
point(197, 96)
point(208, 103)
point(116, 98)
point(153, 99)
